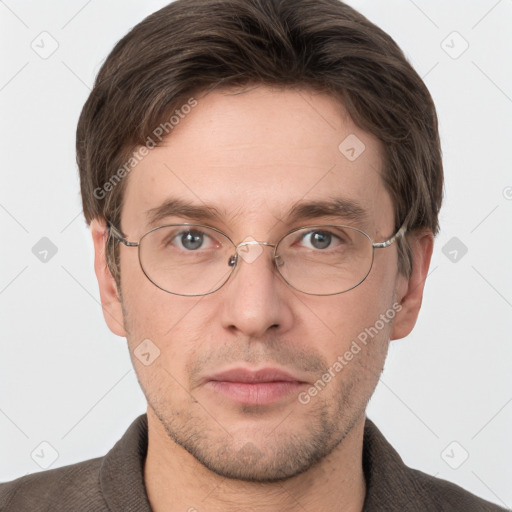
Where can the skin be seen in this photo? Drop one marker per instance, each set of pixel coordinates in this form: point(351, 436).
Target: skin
point(252, 156)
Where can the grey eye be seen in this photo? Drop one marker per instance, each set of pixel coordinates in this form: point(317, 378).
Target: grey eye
point(318, 239)
point(191, 240)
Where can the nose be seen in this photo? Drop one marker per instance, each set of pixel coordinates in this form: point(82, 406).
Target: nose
point(255, 299)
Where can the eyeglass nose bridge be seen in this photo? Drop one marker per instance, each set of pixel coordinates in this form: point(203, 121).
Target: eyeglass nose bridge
point(233, 260)
point(253, 242)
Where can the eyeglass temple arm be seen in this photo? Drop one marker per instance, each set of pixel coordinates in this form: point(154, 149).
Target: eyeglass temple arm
point(401, 231)
point(119, 236)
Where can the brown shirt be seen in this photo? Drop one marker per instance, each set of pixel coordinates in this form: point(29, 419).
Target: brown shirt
point(115, 482)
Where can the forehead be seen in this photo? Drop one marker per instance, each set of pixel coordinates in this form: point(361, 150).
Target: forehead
point(253, 155)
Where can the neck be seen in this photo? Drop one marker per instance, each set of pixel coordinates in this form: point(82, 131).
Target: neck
point(176, 481)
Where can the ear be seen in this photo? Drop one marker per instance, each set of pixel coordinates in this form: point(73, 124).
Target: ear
point(110, 298)
point(409, 293)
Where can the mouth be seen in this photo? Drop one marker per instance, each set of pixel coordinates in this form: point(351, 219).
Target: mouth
point(249, 387)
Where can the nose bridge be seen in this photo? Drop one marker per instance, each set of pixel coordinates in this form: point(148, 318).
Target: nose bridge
point(253, 302)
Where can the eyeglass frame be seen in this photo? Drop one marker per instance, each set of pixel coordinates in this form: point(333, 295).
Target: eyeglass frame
point(118, 235)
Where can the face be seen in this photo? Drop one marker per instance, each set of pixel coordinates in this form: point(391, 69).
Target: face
point(251, 158)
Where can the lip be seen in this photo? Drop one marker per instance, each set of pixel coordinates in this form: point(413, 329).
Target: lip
point(254, 376)
point(254, 387)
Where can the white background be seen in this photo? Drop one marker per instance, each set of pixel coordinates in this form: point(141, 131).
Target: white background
point(65, 379)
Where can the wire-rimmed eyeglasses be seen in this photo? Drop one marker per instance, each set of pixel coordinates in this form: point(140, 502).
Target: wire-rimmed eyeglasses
point(195, 259)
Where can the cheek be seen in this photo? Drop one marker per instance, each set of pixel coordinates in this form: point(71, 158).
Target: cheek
point(161, 344)
point(150, 312)
point(174, 325)
point(363, 315)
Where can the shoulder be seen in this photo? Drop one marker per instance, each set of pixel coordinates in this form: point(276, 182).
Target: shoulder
point(73, 487)
point(392, 485)
point(446, 496)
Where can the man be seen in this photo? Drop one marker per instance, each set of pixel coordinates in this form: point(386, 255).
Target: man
point(262, 179)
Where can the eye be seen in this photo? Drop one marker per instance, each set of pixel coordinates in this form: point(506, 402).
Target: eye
point(190, 240)
point(320, 239)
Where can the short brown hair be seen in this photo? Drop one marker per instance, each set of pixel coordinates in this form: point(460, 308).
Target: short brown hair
point(190, 46)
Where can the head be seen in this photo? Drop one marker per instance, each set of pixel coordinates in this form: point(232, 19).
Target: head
point(245, 108)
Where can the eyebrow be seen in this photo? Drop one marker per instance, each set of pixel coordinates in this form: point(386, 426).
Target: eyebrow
point(175, 207)
point(344, 208)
